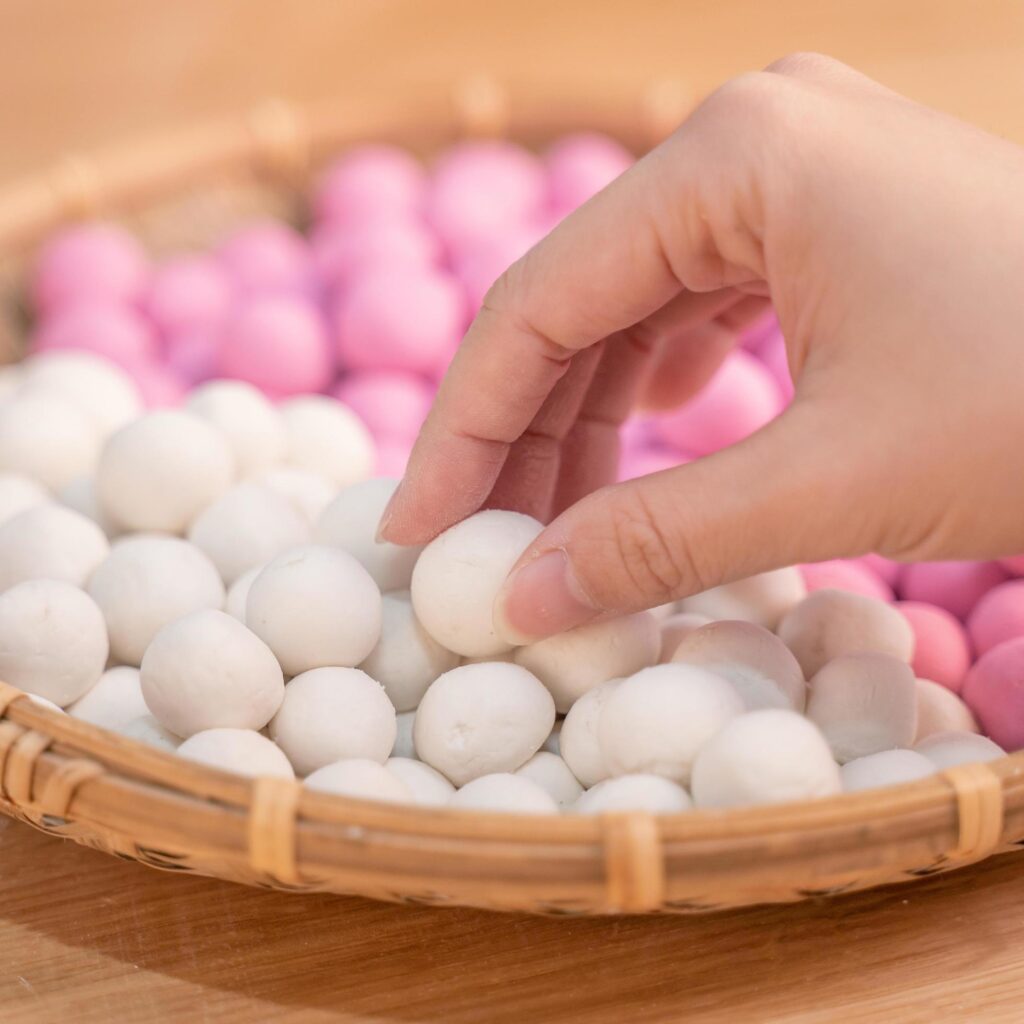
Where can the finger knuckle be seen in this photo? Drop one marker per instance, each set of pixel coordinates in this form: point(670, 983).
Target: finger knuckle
point(751, 96)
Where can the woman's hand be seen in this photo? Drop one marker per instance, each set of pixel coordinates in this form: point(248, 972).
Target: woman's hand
point(890, 239)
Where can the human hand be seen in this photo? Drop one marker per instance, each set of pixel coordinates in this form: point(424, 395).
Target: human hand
point(890, 239)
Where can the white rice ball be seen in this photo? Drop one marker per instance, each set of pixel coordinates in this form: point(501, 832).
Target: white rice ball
point(333, 714)
point(315, 607)
point(757, 663)
point(762, 599)
point(459, 574)
point(404, 746)
point(571, 663)
point(886, 768)
point(428, 786)
point(309, 493)
point(651, 793)
point(350, 522)
point(207, 671)
point(44, 438)
point(941, 710)
point(406, 659)
point(253, 427)
point(53, 642)
point(949, 749)
point(769, 756)
point(146, 729)
point(114, 701)
point(479, 719)
point(19, 493)
point(246, 527)
point(147, 582)
point(553, 775)
point(50, 542)
point(99, 389)
point(552, 744)
point(361, 780)
point(326, 437)
point(80, 495)
point(243, 751)
point(655, 722)
point(676, 628)
point(578, 741)
point(161, 471)
point(238, 593)
point(509, 794)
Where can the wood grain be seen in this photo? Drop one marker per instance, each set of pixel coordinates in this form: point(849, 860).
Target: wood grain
point(88, 938)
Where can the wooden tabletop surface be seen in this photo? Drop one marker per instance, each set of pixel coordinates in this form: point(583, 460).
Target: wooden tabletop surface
point(90, 939)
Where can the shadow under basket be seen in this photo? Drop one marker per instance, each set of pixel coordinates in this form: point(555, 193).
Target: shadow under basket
point(109, 792)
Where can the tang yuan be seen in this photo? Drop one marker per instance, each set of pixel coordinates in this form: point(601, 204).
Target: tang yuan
point(244, 751)
point(762, 599)
point(360, 779)
point(651, 793)
point(511, 794)
point(50, 542)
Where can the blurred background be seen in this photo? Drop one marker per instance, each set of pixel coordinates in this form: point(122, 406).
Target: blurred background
point(76, 74)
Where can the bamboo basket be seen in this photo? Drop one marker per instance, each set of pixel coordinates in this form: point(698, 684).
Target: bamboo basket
point(79, 782)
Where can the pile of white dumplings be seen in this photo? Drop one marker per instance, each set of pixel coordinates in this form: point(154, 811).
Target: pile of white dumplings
point(207, 580)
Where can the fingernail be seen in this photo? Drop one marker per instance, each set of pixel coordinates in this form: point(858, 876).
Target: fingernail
point(540, 599)
point(386, 516)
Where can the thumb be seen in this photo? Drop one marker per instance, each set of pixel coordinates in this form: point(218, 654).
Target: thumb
point(781, 496)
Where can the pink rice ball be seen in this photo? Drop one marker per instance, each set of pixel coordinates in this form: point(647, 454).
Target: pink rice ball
point(887, 569)
point(188, 293)
point(481, 189)
point(739, 399)
point(391, 403)
point(771, 351)
point(89, 263)
point(942, 651)
point(279, 343)
point(370, 182)
point(994, 691)
point(842, 575)
point(116, 332)
point(480, 263)
point(582, 164)
point(160, 387)
point(194, 356)
point(340, 252)
point(1013, 565)
point(759, 331)
point(268, 256)
point(955, 586)
point(998, 616)
point(399, 319)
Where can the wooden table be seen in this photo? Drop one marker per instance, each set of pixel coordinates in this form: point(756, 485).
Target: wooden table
point(87, 938)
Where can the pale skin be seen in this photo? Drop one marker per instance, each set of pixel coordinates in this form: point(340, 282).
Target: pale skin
point(890, 240)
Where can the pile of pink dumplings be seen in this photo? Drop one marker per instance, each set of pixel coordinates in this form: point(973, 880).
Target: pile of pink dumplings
point(246, 403)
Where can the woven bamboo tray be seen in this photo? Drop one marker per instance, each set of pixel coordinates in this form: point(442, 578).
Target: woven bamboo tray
point(73, 780)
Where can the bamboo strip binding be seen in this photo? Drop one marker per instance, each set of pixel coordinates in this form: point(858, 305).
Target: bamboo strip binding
point(66, 776)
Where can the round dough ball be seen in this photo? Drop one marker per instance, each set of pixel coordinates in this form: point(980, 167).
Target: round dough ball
point(114, 701)
point(949, 749)
point(830, 623)
point(675, 629)
point(238, 593)
point(46, 439)
point(886, 768)
point(552, 774)
point(429, 787)
point(243, 751)
point(362, 780)
point(245, 527)
point(651, 793)
point(350, 522)
point(309, 493)
point(757, 663)
point(864, 703)
point(578, 740)
point(147, 582)
point(771, 756)
point(161, 471)
point(459, 574)
point(571, 663)
point(207, 671)
point(80, 495)
point(99, 389)
point(50, 542)
point(315, 607)
point(18, 493)
point(404, 746)
point(479, 719)
point(552, 744)
point(53, 642)
point(406, 659)
point(941, 710)
point(333, 714)
point(253, 427)
point(146, 729)
point(762, 599)
point(655, 722)
point(327, 438)
point(509, 794)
